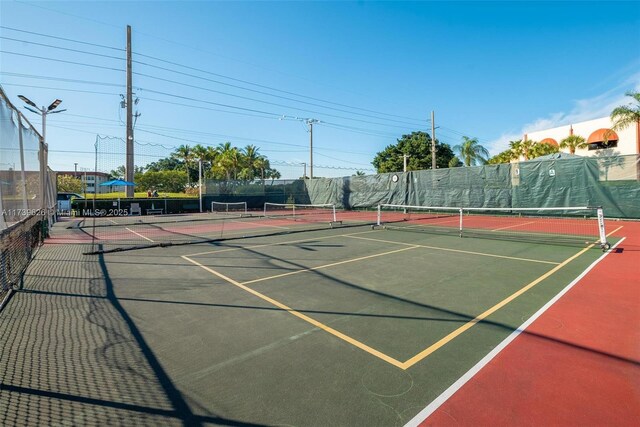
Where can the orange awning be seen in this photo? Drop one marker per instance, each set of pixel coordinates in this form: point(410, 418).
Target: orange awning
point(602, 135)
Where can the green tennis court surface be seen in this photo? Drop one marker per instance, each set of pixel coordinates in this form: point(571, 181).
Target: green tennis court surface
point(348, 326)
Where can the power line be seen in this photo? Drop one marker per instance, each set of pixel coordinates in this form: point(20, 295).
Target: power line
point(62, 48)
point(270, 94)
point(62, 38)
point(61, 61)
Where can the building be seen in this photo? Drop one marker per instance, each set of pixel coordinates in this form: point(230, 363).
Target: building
point(90, 180)
point(597, 133)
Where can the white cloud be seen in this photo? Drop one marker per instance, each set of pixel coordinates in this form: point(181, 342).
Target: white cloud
point(583, 110)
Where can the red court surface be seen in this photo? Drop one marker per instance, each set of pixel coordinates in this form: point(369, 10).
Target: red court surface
point(577, 364)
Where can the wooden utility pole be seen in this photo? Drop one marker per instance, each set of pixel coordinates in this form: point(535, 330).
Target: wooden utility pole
point(129, 170)
point(310, 122)
point(433, 141)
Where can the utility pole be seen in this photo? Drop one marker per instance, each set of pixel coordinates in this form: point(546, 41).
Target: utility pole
point(310, 122)
point(200, 182)
point(129, 165)
point(433, 141)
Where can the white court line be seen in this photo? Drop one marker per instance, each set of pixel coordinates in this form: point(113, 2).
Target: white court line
point(435, 404)
point(511, 226)
point(138, 234)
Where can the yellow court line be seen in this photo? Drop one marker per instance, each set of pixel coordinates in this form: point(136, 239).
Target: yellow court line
point(327, 265)
point(511, 226)
point(138, 234)
point(308, 319)
point(455, 250)
point(264, 245)
point(426, 352)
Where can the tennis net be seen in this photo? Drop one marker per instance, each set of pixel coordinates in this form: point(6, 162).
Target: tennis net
point(302, 212)
point(558, 225)
point(17, 245)
point(229, 207)
point(109, 233)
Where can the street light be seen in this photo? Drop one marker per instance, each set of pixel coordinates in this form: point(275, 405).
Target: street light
point(43, 111)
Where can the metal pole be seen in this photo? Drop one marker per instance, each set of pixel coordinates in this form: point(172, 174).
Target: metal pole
point(129, 165)
point(304, 173)
point(404, 159)
point(311, 150)
point(433, 141)
point(200, 181)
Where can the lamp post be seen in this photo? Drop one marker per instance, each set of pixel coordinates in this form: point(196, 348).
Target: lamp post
point(43, 111)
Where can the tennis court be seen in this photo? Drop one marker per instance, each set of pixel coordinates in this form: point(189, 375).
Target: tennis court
point(318, 317)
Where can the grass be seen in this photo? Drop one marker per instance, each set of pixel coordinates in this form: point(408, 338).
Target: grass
point(140, 195)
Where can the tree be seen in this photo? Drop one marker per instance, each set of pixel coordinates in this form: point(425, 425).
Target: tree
point(250, 156)
point(418, 146)
point(503, 157)
point(68, 184)
point(516, 149)
point(167, 164)
point(471, 152)
point(527, 149)
point(627, 115)
point(572, 142)
point(543, 150)
point(174, 181)
point(455, 162)
point(359, 173)
point(185, 153)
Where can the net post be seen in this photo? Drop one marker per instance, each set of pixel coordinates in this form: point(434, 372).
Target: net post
point(379, 215)
point(294, 210)
point(333, 208)
point(603, 235)
point(460, 226)
point(265, 209)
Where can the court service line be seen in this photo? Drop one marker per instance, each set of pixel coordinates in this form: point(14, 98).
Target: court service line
point(264, 245)
point(442, 398)
point(512, 226)
point(138, 234)
point(333, 264)
point(306, 318)
point(432, 348)
point(455, 250)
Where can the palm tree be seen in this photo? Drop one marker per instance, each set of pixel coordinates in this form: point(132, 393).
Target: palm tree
point(185, 154)
point(572, 142)
point(527, 147)
point(516, 149)
point(543, 149)
point(627, 115)
point(261, 164)
point(471, 152)
point(249, 158)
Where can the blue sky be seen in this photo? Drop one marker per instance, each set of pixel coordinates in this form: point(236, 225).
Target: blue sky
point(368, 71)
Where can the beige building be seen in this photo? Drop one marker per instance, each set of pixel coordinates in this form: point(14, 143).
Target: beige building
point(595, 132)
point(90, 180)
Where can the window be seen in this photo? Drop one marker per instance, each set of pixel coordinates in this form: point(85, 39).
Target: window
point(601, 145)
